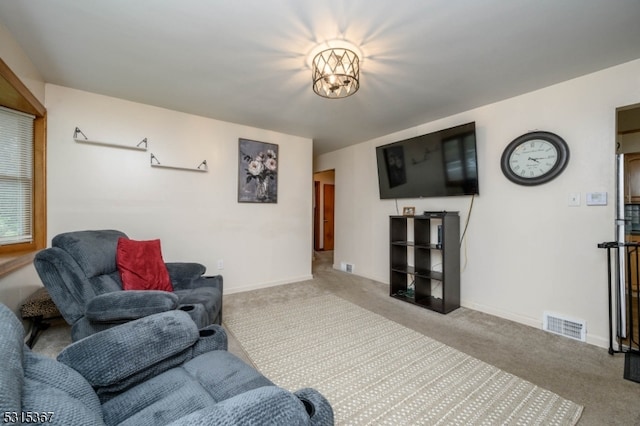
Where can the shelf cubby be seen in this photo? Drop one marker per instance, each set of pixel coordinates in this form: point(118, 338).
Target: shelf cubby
point(419, 246)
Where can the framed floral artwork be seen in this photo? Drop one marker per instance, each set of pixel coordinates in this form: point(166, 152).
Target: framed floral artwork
point(257, 172)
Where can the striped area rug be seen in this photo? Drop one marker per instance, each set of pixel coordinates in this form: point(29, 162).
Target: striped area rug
point(377, 372)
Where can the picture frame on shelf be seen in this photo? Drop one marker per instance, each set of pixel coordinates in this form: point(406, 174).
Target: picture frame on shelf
point(408, 211)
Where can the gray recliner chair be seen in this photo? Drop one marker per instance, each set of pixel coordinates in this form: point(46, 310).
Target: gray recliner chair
point(80, 273)
point(153, 371)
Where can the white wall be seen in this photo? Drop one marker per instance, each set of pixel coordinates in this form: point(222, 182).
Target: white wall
point(196, 215)
point(526, 250)
point(13, 55)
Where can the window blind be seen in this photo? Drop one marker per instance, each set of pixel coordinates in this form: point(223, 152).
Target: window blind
point(16, 177)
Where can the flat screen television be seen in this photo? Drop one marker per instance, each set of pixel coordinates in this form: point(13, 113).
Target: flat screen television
point(438, 164)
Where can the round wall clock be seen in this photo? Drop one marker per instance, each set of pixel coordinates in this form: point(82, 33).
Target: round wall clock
point(534, 158)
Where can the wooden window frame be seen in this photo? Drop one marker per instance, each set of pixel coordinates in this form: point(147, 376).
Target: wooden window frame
point(15, 95)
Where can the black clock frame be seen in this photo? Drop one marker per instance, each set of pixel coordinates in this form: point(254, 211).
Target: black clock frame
point(563, 158)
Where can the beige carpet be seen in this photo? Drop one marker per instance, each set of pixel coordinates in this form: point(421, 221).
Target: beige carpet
point(375, 371)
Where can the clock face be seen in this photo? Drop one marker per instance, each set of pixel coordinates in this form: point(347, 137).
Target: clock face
point(535, 158)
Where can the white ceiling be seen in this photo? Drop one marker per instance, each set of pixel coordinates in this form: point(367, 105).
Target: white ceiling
point(245, 61)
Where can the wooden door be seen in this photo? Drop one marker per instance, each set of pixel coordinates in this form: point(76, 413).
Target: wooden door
point(328, 213)
point(316, 215)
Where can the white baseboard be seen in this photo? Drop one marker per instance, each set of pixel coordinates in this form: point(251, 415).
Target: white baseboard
point(521, 319)
point(595, 340)
point(258, 286)
point(531, 322)
point(598, 341)
point(337, 268)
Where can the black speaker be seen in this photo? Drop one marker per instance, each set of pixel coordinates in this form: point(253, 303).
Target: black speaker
point(632, 366)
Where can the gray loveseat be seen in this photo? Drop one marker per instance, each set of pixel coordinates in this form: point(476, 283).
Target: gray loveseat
point(80, 272)
point(153, 371)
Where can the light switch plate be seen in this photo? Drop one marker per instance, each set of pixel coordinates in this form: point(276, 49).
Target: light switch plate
point(596, 198)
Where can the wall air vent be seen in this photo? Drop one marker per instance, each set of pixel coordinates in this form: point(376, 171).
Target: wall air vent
point(347, 267)
point(571, 328)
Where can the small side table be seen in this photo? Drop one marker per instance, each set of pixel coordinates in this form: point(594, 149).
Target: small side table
point(38, 309)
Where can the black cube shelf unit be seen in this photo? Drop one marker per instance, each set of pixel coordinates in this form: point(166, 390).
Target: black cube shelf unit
point(425, 260)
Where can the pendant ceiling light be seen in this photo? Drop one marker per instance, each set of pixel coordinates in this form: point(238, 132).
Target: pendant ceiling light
point(336, 73)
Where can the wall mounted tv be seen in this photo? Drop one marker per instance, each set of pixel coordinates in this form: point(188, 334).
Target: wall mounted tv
point(438, 164)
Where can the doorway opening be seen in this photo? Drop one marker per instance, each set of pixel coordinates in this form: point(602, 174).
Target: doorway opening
point(323, 215)
point(627, 302)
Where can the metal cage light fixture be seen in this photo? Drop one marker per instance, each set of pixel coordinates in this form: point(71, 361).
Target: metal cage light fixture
point(336, 73)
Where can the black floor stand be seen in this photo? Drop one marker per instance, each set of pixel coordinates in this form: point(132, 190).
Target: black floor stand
point(632, 351)
point(632, 366)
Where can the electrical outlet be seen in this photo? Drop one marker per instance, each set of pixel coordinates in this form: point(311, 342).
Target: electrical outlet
point(220, 264)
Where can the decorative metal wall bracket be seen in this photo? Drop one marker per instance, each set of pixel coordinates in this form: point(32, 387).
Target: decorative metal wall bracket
point(141, 146)
point(202, 167)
